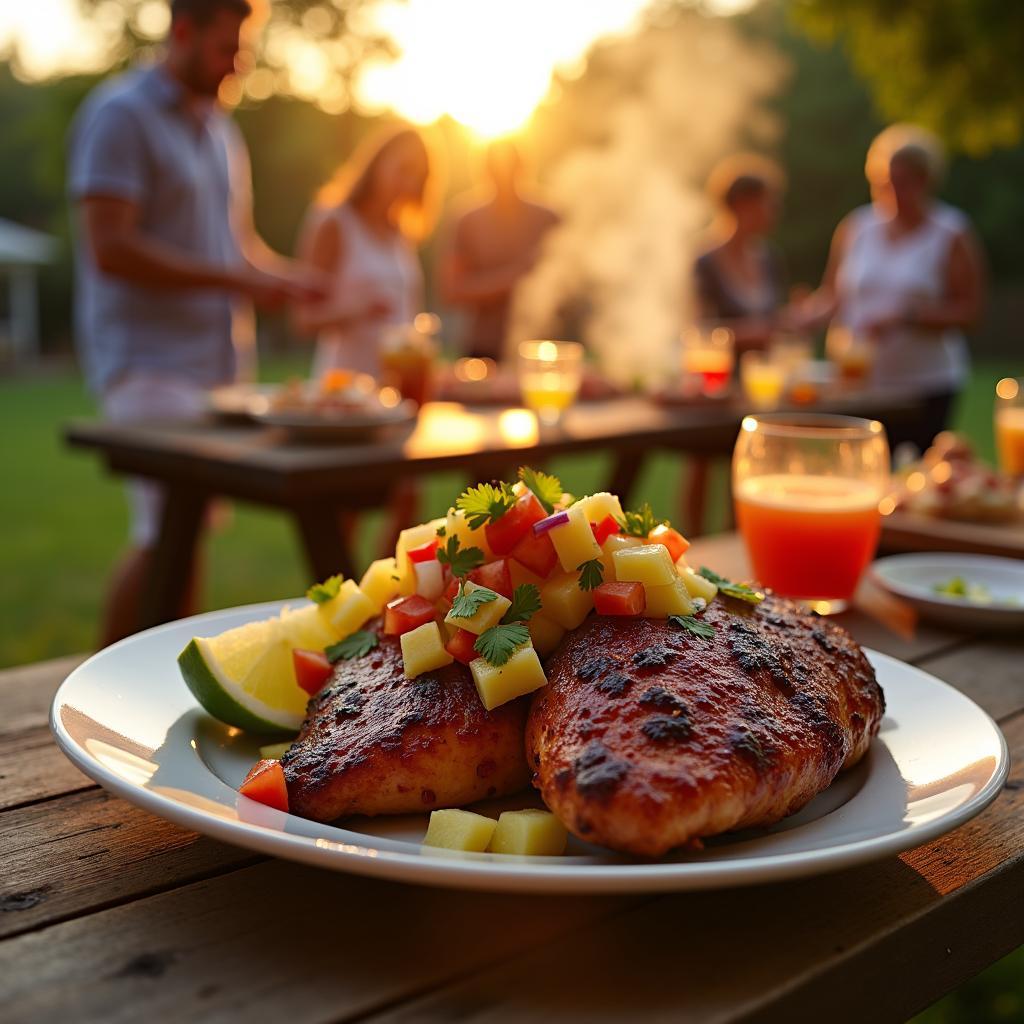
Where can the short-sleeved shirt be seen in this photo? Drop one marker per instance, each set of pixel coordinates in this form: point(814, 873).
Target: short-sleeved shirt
point(132, 139)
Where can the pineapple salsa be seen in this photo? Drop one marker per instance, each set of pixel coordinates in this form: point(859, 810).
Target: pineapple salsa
point(494, 585)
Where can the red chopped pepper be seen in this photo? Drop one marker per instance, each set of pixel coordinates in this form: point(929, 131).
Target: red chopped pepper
point(266, 784)
point(620, 599)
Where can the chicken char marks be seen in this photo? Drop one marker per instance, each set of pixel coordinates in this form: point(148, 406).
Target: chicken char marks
point(648, 736)
point(374, 742)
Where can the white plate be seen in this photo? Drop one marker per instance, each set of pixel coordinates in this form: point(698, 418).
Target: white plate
point(127, 720)
point(914, 577)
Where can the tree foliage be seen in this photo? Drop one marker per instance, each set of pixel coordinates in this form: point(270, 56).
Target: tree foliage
point(952, 65)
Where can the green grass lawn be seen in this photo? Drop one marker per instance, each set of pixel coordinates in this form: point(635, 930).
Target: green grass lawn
point(64, 520)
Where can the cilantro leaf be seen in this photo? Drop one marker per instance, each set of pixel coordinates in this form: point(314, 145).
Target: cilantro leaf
point(497, 644)
point(546, 488)
point(459, 561)
point(591, 574)
point(485, 503)
point(442, 530)
point(641, 522)
point(355, 646)
point(525, 601)
point(468, 602)
point(740, 591)
point(321, 593)
point(693, 625)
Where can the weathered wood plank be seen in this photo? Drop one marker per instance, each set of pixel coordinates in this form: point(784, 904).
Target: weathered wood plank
point(33, 768)
point(27, 692)
point(276, 941)
point(79, 852)
point(990, 672)
point(874, 943)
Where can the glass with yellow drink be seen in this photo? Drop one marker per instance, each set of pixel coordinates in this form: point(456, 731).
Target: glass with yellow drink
point(549, 377)
point(1010, 425)
point(807, 489)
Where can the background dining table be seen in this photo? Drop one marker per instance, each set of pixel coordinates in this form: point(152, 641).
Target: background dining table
point(110, 914)
point(316, 483)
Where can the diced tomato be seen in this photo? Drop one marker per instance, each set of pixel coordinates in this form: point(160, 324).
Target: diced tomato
point(495, 576)
point(672, 539)
point(451, 590)
point(505, 533)
point(405, 613)
point(265, 784)
point(461, 648)
point(620, 599)
point(536, 553)
point(312, 670)
point(425, 552)
point(604, 529)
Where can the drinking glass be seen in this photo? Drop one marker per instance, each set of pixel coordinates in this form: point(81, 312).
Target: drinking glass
point(763, 379)
point(806, 489)
point(549, 377)
point(852, 353)
point(708, 357)
point(1009, 413)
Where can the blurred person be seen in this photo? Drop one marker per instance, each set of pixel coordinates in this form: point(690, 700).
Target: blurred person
point(740, 280)
point(166, 255)
point(905, 272)
point(362, 233)
point(490, 247)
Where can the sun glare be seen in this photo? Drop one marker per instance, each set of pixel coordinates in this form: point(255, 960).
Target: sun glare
point(486, 64)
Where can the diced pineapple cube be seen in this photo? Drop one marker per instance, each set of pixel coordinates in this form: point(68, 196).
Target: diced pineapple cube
point(672, 599)
point(456, 526)
point(484, 617)
point(414, 537)
point(545, 633)
point(452, 829)
point(498, 684)
point(649, 564)
point(275, 751)
point(563, 600)
point(616, 542)
point(698, 586)
point(574, 541)
point(529, 833)
point(423, 650)
point(308, 627)
point(520, 574)
point(381, 582)
point(349, 610)
point(597, 506)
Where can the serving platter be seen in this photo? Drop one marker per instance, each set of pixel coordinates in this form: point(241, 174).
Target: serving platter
point(127, 720)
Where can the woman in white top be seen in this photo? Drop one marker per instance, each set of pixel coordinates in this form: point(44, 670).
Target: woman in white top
point(907, 274)
point(362, 233)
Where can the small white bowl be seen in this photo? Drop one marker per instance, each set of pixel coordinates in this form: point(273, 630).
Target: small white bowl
point(914, 578)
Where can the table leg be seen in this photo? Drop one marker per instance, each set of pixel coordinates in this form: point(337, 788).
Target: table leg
point(321, 532)
point(695, 498)
point(627, 467)
point(174, 557)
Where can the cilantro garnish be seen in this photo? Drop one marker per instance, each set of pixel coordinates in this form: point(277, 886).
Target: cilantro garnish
point(591, 574)
point(693, 625)
point(485, 503)
point(497, 644)
point(740, 591)
point(321, 593)
point(641, 522)
point(459, 561)
point(525, 601)
point(546, 488)
point(355, 646)
point(442, 530)
point(468, 602)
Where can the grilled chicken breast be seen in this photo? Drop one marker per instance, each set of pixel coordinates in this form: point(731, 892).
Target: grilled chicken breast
point(648, 736)
point(374, 742)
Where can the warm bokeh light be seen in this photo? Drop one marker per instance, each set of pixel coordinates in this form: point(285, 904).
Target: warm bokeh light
point(1007, 388)
point(487, 65)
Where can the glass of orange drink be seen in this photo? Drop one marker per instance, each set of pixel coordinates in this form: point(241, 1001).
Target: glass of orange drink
point(1010, 425)
point(708, 358)
point(807, 489)
point(852, 353)
point(549, 377)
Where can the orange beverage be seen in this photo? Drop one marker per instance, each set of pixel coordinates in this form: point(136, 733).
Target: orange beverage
point(809, 537)
point(1010, 426)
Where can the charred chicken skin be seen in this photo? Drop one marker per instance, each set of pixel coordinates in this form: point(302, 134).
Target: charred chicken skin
point(374, 742)
point(648, 736)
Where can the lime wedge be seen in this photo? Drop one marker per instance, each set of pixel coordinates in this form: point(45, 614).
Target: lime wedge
point(308, 628)
point(245, 677)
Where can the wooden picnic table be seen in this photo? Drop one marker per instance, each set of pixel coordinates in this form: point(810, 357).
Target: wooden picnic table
point(109, 914)
point(316, 483)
